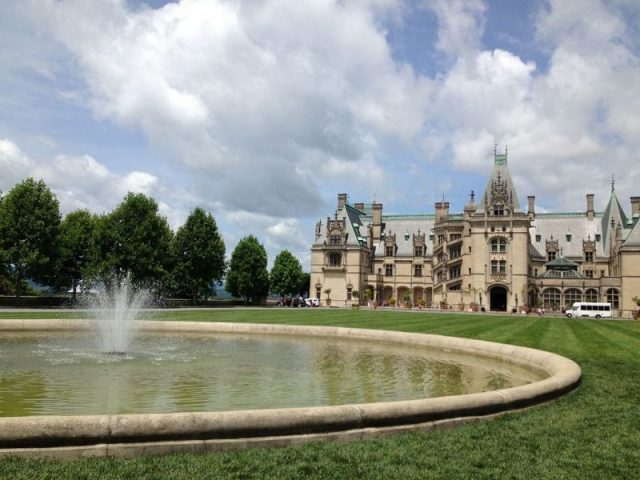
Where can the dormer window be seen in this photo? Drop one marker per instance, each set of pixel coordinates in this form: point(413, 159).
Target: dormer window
point(498, 210)
point(335, 239)
point(389, 250)
point(418, 251)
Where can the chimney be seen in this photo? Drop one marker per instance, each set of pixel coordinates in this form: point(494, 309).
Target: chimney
point(342, 199)
point(635, 206)
point(442, 211)
point(376, 220)
point(359, 206)
point(590, 206)
point(531, 210)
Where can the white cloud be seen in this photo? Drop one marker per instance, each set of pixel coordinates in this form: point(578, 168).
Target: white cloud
point(573, 124)
point(240, 97)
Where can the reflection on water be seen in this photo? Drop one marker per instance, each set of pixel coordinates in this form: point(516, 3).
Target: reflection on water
point(56, 374)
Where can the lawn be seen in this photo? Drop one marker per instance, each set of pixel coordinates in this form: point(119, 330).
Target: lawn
point(592, 433)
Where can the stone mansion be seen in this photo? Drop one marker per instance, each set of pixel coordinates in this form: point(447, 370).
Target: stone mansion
point(494, 255)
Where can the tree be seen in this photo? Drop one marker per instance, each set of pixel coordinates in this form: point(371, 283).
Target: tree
point(286, 274)
point(134, 239)
point(248, 277)
point(198, 251)
point(29, 222)
point(77, 248)
point(305, 283)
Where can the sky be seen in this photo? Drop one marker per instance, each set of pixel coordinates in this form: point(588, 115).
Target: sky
point(262, 111)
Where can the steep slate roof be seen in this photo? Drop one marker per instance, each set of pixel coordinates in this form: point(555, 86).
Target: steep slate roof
point(633, 239)
point(500, 174)
point(613, 212)
point(556, 226)
point(401, 225)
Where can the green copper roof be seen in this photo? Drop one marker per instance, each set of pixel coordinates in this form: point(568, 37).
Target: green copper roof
point(500, 159)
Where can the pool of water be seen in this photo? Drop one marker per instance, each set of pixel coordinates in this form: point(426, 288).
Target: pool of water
point(60, 373)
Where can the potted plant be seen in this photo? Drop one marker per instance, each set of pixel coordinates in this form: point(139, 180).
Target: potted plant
point(407, 300)
point(367, 296)
point(355, 294)
point(392, 302)
point(421, 303)
point(636, 313)
point(328, 300)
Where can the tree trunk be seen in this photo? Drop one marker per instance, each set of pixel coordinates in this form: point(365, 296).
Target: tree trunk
point(19, 285)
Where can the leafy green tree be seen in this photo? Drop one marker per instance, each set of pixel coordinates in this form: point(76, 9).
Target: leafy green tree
point(305, 282)
point(134, 239)
point(248, 277)
point(286, 274)
point(29, 222)
point(77, 248)
point(198, 252)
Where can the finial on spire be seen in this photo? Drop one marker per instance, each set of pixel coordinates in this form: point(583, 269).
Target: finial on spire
point(506, 150)
point(613, 183)
point(472, 196)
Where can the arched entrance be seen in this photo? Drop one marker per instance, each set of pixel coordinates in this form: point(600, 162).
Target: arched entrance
point(498, 299)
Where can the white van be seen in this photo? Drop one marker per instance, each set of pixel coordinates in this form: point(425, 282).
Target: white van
point(590, 309)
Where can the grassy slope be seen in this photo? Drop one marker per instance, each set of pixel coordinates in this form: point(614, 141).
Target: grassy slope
point(592, 433)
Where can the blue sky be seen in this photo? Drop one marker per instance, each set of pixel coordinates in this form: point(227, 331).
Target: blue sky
point(262, 111)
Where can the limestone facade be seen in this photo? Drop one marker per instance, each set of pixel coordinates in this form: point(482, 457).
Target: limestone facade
point(494, 255)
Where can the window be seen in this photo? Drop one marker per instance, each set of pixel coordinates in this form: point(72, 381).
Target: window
point(551, 299)
point(388, 270)
point(591, 295)
point(588, 257)
point(454, 272)
point(417, 270)
point(498, 267)
point(568, 236)
point(571, 296)
point(440, 239)
point(431, 237)
point(538, 238)
point(390, 250)
point(613, 297)
point(498, 210)
point(335, 259)
point(535, 272)
point(455, 252)
point(498, 245)
point(418, 251)
point(588, 273)
point(349, 293)
point(335, 239)
point(598, 237)
point(551, 256)
point(455, 236)
point(440, 276)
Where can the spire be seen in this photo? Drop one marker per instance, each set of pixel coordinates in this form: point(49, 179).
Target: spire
point(500, 189)
point(613, 215)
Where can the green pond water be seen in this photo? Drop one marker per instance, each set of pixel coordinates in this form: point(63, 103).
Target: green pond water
point(56, 373)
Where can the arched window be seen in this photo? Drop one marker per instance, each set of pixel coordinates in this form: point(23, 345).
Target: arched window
point(571, 296)
point(613, 297)
point(551, 299)
point(498, 245)
point(591, 295)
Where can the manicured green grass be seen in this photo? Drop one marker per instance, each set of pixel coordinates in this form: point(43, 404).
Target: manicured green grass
point(592, 433)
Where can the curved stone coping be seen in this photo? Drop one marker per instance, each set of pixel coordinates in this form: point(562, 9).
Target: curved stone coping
point(295, 424)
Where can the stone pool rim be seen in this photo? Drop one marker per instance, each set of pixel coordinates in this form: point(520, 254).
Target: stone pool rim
point(127, 435)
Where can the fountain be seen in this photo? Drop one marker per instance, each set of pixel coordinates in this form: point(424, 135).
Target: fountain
point(186, 422)
point(116, 310)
